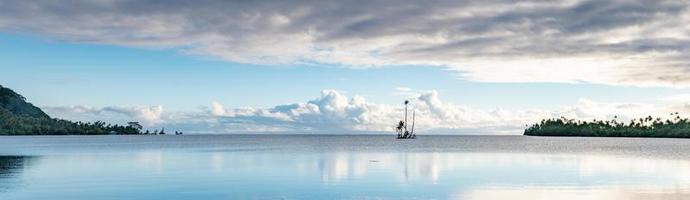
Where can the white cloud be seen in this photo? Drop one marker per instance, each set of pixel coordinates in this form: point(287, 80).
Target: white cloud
point(409, 93)
point(148, 115)
point(217, 109)
point(333, 112)
point(678, 98)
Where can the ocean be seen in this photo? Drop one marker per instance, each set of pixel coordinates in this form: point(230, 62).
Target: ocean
point(342, 167)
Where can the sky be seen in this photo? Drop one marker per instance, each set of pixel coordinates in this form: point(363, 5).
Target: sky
point(468, 67)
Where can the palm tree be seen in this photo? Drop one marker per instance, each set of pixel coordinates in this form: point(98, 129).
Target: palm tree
point(404, 132)
point(399, 128)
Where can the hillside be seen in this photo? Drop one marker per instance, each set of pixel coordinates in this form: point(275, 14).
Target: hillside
point(16, 104)
point(18, 117)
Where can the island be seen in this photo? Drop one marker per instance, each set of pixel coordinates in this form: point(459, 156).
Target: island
point(19, 117)
point(673, 127)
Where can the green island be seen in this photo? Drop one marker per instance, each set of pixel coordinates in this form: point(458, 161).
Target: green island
point(674, 127)
point(18, 117)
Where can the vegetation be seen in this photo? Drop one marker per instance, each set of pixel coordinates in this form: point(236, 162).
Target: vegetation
point(675, 127)
point(18, 117)
point(16, 104)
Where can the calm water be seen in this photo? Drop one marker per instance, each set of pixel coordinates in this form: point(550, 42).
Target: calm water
point(342, 167)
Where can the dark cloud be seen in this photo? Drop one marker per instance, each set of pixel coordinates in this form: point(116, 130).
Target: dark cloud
point(455, 34)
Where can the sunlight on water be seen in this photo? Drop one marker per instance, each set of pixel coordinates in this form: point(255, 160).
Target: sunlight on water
point(186, 172)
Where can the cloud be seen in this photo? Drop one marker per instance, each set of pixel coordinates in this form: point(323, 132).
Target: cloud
point(596, 41)
point(408, 92)
point(678, 98)
point(334, 112)
point(331, 111)
point(148, 115)
point(588, 109)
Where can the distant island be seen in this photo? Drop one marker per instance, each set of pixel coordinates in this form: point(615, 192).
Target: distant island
point(18, 117)
point(675, 127)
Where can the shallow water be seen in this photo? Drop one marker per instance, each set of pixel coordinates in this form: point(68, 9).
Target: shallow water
point(342, 167)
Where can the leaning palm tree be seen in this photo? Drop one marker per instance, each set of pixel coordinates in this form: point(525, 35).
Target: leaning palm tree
point(406, 102)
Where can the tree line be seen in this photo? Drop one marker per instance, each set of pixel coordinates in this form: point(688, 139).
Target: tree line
point(674, 127)
point(11, 124)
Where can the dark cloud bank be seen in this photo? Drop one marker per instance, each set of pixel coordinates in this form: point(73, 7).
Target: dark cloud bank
point(621, 42)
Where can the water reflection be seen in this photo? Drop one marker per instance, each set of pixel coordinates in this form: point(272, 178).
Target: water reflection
point(11, 168)
point(476, 175)
point(350, 175)
point(548, 169)
point(567, 193)
point(404, 166)
point(525, 176)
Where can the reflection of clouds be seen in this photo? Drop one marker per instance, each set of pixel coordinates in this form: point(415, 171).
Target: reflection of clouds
point(432, 168)
point(421, 175)
point(405, 166)
point(504, 168)
point(335, 167)
point(359, 169)
point(216, 162)
point(567, 193)
point(543, 193)
point(424, 166)
point(151, 160)
point(598, 177)
point(598, 165)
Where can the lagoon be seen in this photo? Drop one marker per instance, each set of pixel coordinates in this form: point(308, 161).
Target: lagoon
point(342, 167)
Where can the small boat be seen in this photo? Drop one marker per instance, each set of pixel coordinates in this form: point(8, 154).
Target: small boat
point(401, 128)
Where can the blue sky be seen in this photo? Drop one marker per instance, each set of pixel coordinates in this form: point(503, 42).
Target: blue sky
point(55, 73)
point(220, 66)
point(63, 74)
